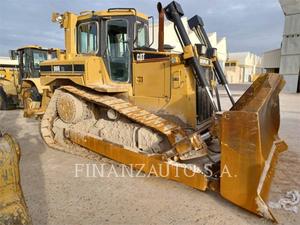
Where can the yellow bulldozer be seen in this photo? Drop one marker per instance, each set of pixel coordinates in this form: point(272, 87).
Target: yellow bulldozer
point(157, 110)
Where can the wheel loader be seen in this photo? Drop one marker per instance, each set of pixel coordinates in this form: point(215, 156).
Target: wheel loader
point(13, 209)
point(30, 58)
point(21, 85)
point(112, 93)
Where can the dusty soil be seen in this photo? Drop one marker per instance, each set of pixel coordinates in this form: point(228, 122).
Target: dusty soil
point(55, 196)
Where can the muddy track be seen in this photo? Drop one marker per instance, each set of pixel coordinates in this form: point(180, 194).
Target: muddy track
point(174, 133)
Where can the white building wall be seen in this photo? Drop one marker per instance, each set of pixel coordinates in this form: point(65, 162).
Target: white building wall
point(171, 39)
point(222, 51)
point(7, 61)
point(213, 38)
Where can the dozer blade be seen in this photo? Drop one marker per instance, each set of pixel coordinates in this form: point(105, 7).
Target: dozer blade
point(250, 145)
point(13, 209)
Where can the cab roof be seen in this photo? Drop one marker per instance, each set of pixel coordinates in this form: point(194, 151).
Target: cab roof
point(30, 46)
point(112, 12)
point(35, 47)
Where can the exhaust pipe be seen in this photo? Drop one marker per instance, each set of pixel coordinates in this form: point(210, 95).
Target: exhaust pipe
point(161, 17)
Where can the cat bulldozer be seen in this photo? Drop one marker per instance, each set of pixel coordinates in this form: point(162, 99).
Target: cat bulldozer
point(13, 209)
point(158, 110)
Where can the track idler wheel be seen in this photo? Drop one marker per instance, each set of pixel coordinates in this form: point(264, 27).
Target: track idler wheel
point(71, 109)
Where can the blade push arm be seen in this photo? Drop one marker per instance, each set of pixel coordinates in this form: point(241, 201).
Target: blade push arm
point(174, 12)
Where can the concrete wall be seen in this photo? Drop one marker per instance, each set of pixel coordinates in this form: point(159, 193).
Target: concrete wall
point(271, 59)
point(290, 50)
point(290, 7)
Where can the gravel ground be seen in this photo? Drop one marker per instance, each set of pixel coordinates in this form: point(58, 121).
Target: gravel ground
point(56, 196)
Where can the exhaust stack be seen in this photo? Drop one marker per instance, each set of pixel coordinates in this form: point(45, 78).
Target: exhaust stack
point(161, 16)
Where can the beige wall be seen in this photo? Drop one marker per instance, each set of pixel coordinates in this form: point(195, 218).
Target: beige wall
point(234, 74)
point(247, 65)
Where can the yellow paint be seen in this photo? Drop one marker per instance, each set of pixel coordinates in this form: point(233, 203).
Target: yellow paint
point(188, 52)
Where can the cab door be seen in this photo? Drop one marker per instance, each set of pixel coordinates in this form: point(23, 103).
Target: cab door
point(118, 52)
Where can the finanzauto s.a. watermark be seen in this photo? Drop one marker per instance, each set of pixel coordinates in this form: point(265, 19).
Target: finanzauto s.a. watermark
point(140, 170)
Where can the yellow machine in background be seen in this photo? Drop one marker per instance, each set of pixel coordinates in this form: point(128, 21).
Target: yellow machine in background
point(30, 58)
point(113, 94)
point(13, 209)
point(9, 80)
point(20, 82)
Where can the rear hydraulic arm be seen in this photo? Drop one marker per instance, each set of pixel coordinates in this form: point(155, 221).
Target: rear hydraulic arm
point(196, 24)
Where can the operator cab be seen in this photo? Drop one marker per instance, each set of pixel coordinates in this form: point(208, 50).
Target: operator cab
point(29, 58)
point(114, 36)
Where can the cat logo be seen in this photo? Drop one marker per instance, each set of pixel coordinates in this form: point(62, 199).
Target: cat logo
point(140, 57)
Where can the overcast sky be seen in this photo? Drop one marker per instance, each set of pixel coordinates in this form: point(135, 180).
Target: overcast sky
point(248, 25)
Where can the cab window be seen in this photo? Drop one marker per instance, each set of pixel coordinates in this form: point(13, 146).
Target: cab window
point(88, 38)
point(141, 34)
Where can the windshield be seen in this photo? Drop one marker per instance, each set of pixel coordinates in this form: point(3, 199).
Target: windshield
point(30, 60)
point(38, 57)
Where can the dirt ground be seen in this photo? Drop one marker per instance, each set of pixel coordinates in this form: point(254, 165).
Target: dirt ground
point(55, 196)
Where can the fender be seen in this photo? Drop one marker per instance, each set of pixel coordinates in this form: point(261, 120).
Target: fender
point(34, 82)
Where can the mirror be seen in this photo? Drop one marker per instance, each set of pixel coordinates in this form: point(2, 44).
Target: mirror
point(13, 54)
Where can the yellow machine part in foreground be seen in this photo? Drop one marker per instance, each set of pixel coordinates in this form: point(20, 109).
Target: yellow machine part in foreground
point(13, 209)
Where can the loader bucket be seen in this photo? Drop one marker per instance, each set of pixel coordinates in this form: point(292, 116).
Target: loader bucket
point(13, 209)
point(250, 145)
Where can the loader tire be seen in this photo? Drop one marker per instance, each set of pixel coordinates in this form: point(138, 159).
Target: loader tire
point(30, 96)
point(3, 99)
point(34, 94)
